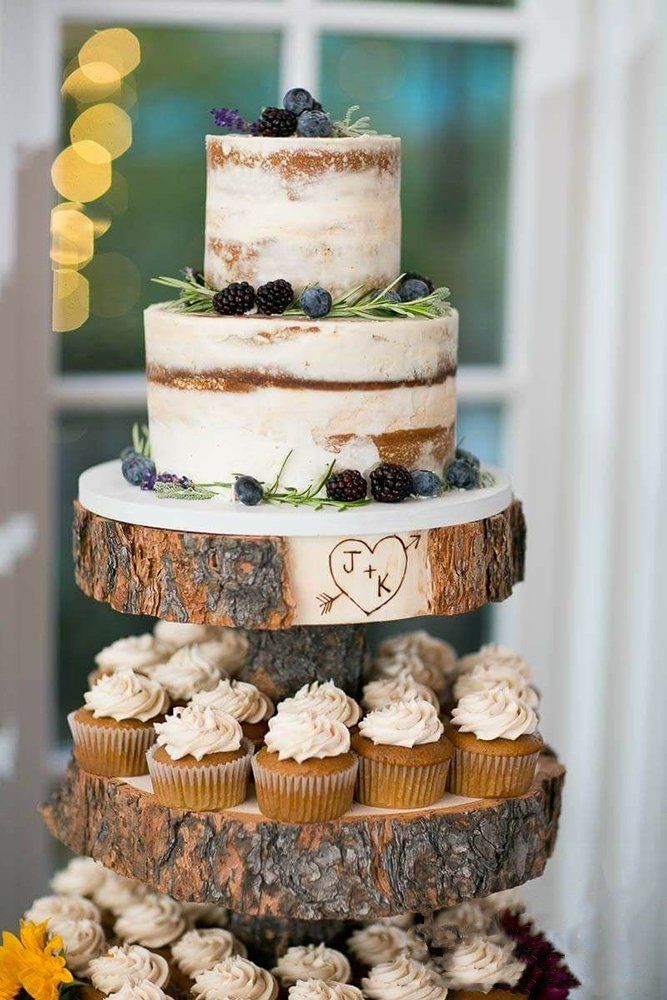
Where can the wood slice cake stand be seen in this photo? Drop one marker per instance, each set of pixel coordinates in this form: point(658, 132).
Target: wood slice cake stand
point(370, 863)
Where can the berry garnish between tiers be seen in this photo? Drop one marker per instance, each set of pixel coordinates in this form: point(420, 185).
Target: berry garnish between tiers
point(300, 115)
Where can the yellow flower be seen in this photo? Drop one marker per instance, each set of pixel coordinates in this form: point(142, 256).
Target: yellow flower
point(34, 963)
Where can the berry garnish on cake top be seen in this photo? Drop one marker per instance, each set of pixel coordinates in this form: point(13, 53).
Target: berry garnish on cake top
point(300, 115)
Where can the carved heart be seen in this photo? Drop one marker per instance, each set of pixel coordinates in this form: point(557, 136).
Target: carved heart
point(370, 575)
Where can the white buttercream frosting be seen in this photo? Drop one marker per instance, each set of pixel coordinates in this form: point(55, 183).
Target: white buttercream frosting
point(482, 677)
point(378, 943)
point(408, 723)
point(83, 941)
point(62, 908)
point(126, 695)
point(235, 978)
point(326, 699)
point(136, 652)
point(385, 690)
point(493, 714)
point(227, 648)
point(480, 964)
point(317, 989)
point(153, 922)
point(128, 963)
point(404, 979)
point(194, 731)
point(187, 672)
point(80, 877)
point(312, 961)
point(143, 990)
point(429, 660)
point(469, 917)
point(173, 635)
point(306, 736)
point(495, 655)
point(116, 892)
point(244, 701)
point(202, 949)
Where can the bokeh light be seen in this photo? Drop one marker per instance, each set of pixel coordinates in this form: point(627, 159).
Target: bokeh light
point(105, 124)
point(94, 82)
point(71, 300)
point(116, 46)
point(117, 198)
point(72, 236)
point(82, 172)
point(115, 284)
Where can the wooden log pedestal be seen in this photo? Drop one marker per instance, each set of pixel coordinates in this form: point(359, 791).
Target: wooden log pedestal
point(370, 863)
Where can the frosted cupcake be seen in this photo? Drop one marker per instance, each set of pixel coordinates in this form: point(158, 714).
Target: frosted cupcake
point(50, 908)
point(306, 772)
point(140, 653)
point(249, 706)
point(114, 729)
point(227, 648)
point(429, 660)
point(235, 978)
point(199, 950)
point(153, 922)
point(477, 969)
point(386, 690)
point(494, 655)
point(312, 961)
point(116, 893)
point(80, 877)
point(325, 699)
point(403, 756)
point(496, 745)
point(187, 672)
point(201, 761)
point(173, 635)
point(404, 978)
point(379, 943)
point(483, 677)
point(128, 963)
point(84, 941)
point(317, 989)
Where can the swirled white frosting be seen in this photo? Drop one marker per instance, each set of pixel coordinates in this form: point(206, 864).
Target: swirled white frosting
point(481, 677)
point(379, 943)
point(137, 652)
point(143, 990)
point(235, 978)
point(494, 714)
point(477, 963)
point(227, 648)
point(324, 698)
point(116, 892)
point(244, 701)
point(187, 672)
point(312, 961)
point(62, 908)
point(202, 949)
point(80, 877)
point(429, 660)
point(173, 635)
point(385, 690)
point(408, 723)
point(154, 921)
point(404, 979)
point(83, 940)
point(495, 655)
point(306, 736)
point(195, 732)
point(469, 917)
point(126, 695)
point(128, 963)
point(205, 914)
point(317, 989)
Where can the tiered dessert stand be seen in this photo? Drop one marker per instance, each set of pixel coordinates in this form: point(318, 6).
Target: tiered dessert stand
point(304, 585)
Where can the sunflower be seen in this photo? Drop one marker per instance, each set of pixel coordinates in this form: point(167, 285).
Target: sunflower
point(34, 962)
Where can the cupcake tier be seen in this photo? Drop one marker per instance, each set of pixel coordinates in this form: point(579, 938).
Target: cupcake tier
point(370, 863)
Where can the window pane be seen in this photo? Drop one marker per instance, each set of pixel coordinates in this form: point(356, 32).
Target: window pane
point(182, 75)
point(450, 102)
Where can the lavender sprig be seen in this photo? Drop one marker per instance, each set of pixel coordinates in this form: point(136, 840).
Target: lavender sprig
point(231, 119)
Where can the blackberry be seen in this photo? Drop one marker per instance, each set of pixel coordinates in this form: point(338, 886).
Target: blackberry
point(347, 486)
point(390, 483)
point(235, 299)
point(135, 467)
point(276, 122)
point(274, 297)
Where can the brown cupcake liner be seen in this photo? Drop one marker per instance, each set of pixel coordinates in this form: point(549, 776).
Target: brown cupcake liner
point(485, 776)
point(202, 788)
point(111, 751)
point(304, 798)
point(397, 786)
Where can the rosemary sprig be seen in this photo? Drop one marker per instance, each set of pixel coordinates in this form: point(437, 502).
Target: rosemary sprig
point(349, 126)
point(311, 496)
point(140, 440)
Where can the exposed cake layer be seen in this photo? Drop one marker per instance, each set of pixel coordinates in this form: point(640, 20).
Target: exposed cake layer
point(308, 210)
point(235, 394)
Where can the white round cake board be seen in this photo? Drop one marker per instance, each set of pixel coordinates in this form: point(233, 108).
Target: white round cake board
point(103, 491)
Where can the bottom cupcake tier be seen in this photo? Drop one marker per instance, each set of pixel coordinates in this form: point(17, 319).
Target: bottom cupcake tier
point(370, 863)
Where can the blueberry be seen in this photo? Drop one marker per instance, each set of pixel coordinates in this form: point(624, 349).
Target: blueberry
point(314, 125)
point(248, 491)
point(411, 289)
point(135, 467)
point(461, 475)
point(127, 453)
point(426, 484)
point(468, 456)
point(298, 100)
point(315, 301)
point(391, 296)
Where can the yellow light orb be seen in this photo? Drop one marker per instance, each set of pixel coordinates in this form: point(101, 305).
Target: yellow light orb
point(116, 199)
point(101, 224)
point(116, 46)
point(115, 284)
point(92, 82)
point(82, 172)
point(71, 300)
point(107, 125)
point(72, 237)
